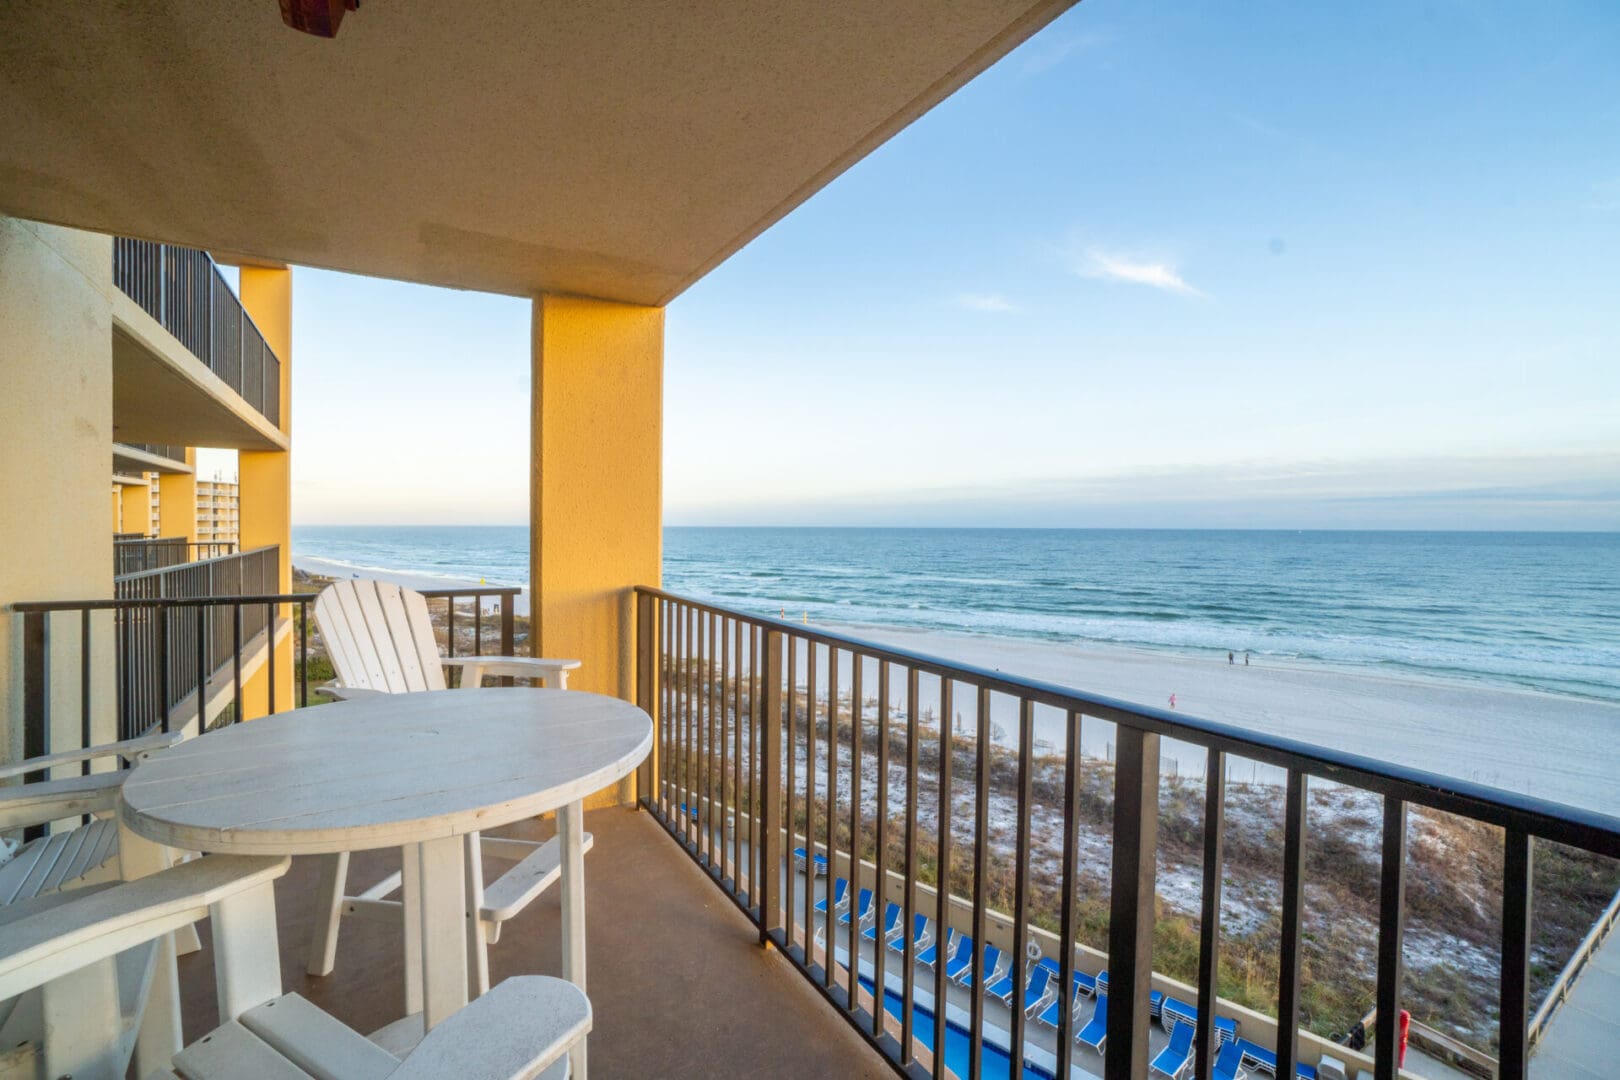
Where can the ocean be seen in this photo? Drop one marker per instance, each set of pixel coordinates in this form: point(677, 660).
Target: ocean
point(1536, 611)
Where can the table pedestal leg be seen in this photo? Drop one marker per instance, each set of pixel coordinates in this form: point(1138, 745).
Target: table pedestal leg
point(411, 896)
point(442, 881)
point(571, 833)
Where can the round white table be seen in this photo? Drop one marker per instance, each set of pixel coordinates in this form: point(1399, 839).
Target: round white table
point(415, 771)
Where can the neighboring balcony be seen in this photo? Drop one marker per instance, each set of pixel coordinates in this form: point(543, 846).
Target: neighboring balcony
point(190, 368)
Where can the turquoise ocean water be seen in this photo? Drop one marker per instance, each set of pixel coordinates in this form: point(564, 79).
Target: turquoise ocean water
point(1528, 610)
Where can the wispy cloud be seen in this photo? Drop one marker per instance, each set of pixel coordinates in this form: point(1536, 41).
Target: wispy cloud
point(1096, 263)
point(1046, 55)
point(995, 302)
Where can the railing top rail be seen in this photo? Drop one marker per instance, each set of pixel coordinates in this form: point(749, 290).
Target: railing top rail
point(196, 563)
point(224, 283)
point(25, 607)
point(1578, 827)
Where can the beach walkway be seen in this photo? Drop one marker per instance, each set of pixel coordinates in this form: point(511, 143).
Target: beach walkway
point(1582, 1041)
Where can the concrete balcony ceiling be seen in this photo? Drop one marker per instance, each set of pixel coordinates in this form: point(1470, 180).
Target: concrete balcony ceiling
point(606, 148)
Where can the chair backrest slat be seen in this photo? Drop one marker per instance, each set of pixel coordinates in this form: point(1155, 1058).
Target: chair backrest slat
point(382, 637)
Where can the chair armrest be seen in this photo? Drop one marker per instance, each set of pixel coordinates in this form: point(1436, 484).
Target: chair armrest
point(347, 693)
point(130, 750)
point(519, 665)
point(511, 1033)
point(73, 935)
point(35, 804)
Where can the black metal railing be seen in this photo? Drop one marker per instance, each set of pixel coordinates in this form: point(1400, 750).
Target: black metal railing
point(173, 453)
point(759, 722)
point(172, 638)
point(138, 555)
point(183, 290)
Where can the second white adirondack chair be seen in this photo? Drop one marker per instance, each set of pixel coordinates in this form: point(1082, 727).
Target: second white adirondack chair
point(381, 640)
point(69, 954)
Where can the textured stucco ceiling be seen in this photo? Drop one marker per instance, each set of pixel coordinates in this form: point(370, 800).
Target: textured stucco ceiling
point(610, 148)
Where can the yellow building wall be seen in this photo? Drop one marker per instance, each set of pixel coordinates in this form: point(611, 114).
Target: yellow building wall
point(56, 425)
point(596, 489)
point(265, 506)
point(136, 500)
point(177, 501)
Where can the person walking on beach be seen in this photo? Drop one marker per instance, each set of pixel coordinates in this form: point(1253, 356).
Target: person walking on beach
point(1230, 659)
point(1245, 657)
point(1172, 701)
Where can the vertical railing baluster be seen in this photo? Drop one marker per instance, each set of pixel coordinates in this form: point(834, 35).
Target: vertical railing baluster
point(36, 700)
point(832, 819)
point(1209, 926)
point(855, 823)
point(236, 662)
point(509, 633)
point(768, 703)
point(741, 812)
point(705, 704)
point(1518, 875)
point(666, 714)
point(1071, 836)
point(880, 886)
point(723, 725)
point(270, 641)
point(811, 694)
point(713, 757)
point(303, 654)
point(942, 875)
point(84, 690)
point(1293, 896)
point(200, 625)
point(646, 693)
point(1391, 933)
point(756, 689)
point(163, 662)
point(1026, 750)
point(981, 871)
point(909, 972)
point(791, 791)
point(1130, 919)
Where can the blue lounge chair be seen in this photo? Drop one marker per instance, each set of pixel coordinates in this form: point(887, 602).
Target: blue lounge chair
point(1173, 1059)
point(1003, 987)
point(1095, 1033)
point(919, 938)
point(840, 896)
point(1155, 1005)
point(1043, 982)
point(1229, 1062)
point(953, 943)
point(799, 855)
point(891, 923)
point(962, 959)
point(862, 909)
point(993, 959)
point(1225, 1030)
point(1050, 1015)
point(1086, 983)
point(1255, 1056)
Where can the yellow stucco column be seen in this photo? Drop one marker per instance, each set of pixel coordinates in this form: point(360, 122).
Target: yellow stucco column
point(596, 487)
point(265, 508)
point(177, 501)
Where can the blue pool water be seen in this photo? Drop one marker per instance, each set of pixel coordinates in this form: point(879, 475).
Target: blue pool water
point(997, 1063)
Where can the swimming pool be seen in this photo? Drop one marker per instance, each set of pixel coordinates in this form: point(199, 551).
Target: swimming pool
point(997, 1063)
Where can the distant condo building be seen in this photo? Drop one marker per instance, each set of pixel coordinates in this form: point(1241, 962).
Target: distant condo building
point(217, 512)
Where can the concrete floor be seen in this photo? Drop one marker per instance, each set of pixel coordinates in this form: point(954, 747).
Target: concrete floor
point(677, 980)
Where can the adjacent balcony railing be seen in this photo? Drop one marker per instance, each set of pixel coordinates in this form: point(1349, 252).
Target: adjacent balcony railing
point(182, 289)
point(180, 628)
point(771, 737)
point(134, 555)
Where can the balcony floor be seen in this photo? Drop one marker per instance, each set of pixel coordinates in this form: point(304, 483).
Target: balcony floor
point(678, 982)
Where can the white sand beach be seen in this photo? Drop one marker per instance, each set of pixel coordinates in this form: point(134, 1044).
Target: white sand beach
point(1564, 749)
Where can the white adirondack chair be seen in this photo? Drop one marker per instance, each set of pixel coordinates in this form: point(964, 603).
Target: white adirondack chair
point(65, 864)
point(71, 857)
point(69, 953)
point(381, 640)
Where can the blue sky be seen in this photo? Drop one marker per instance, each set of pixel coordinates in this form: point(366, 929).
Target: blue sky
point(1183, 264)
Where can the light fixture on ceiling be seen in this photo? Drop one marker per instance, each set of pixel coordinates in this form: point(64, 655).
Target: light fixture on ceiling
point(318, 17)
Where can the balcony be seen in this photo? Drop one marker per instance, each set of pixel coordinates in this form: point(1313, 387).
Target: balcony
point(763, 768)
point(190, 368)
